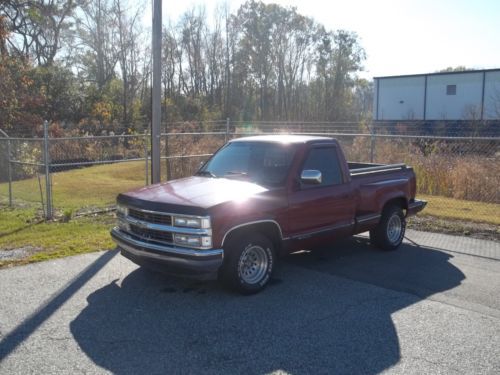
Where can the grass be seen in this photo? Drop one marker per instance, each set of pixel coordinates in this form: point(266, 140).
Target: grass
point(19, 229)
point(73, 191)
point(95, 186)
point(98, 186)
point(450, 208)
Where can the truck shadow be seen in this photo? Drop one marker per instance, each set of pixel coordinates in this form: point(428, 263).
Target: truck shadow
point(305, 322)
point(414, 269)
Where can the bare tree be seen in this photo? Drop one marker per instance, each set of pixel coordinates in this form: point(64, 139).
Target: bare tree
point(129, 53)
point(97, 36)
point(214, 45)
point(194, 29)
point(37, 26)
point(169, 62)
point(294, 47)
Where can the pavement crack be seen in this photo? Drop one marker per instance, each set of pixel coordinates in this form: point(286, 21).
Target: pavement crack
point(481, 309)
point(445, 366)
point(59, 338)
point(484, 310)
point(345, 310)
point(96, 340)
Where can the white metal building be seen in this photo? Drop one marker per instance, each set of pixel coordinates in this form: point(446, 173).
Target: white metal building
point(465, 95)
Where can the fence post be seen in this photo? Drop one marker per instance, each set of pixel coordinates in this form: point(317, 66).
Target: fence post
point(226, 137)
point(48, 185)
point(372, 142)
point(9, 167)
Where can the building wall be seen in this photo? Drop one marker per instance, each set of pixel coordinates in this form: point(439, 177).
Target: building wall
point(453, 96)
point(492, 96)
point(461, 106)
point(401, 98)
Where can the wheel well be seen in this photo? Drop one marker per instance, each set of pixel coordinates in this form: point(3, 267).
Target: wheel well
point(269, 229)
point(398, 202)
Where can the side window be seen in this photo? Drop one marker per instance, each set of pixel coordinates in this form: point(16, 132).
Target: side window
point(326, 161)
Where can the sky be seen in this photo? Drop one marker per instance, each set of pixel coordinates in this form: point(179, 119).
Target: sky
point(399, 37)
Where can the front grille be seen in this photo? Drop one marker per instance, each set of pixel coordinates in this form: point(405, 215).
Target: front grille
point(150, 217)
point(151, 235)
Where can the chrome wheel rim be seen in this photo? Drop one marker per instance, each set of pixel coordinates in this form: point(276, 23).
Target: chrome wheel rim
point(394, 228)
point(253, 264)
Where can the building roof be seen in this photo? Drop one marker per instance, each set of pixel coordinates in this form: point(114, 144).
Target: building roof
point(282, 138)
point(440, 73)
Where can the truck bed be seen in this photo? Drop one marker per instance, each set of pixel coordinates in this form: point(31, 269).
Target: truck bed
point(376, 184)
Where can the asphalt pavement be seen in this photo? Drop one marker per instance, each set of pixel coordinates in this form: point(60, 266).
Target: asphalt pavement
point(431, 307)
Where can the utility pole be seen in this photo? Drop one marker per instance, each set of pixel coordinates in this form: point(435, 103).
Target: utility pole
point(156, 94)
point(228, 79)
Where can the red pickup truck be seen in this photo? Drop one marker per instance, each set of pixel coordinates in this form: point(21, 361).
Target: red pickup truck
point(259, 198)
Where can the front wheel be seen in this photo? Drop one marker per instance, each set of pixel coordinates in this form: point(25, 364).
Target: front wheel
point(248, 264)
point(390, 231)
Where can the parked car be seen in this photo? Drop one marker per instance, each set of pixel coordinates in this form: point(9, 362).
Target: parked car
point(257, 199)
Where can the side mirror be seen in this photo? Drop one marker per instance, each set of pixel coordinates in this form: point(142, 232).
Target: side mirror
point(311, 177)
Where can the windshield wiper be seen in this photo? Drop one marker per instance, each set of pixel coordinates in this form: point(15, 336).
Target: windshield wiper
point(205, 173)
point(236, 173)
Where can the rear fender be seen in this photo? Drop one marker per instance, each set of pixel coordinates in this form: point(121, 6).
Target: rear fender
point(393, 198)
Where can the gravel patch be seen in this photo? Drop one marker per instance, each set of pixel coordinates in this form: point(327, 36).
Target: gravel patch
point(481, 231)
point(19, 253)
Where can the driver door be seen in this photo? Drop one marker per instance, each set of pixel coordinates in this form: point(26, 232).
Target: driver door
point(324, 208)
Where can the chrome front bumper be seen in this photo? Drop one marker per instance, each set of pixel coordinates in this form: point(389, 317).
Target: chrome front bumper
point(176, 260)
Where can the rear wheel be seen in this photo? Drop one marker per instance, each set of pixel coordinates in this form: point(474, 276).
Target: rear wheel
point(248, 264)
point(390, 231)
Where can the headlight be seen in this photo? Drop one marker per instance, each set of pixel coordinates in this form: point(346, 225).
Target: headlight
point(186, 222)
point(191, 222)
point(192, 241)
point(121, 210)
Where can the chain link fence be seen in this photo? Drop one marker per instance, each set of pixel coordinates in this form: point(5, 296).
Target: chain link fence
point(457, 165)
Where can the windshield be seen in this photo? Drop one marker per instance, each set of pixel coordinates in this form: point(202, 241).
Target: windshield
point(259, 162)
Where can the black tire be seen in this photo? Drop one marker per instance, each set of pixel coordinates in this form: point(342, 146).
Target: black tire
point(390, 231)
point(249, 262)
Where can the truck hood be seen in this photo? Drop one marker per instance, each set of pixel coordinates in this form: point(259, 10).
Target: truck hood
point(189, 195)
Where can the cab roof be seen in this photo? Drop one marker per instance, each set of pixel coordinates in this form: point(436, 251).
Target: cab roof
point(282, 138)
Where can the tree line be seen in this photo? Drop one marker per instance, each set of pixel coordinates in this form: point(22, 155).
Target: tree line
point(86, 66)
